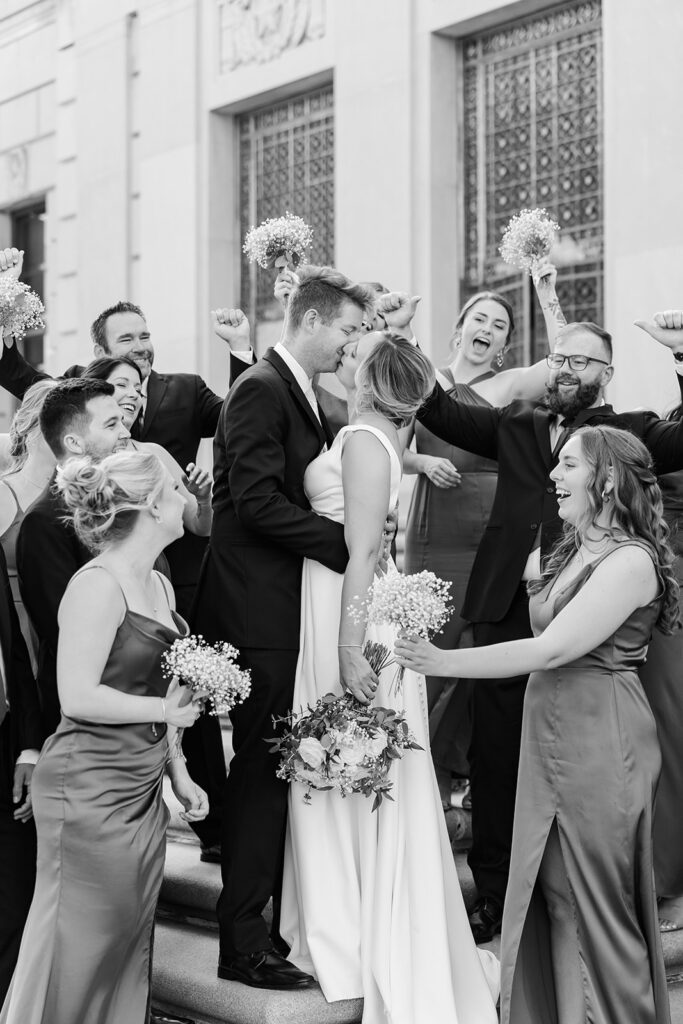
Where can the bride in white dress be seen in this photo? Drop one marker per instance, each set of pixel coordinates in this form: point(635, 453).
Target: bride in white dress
point(371, 903)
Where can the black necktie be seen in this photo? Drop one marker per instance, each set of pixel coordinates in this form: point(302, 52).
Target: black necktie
point(566, 429)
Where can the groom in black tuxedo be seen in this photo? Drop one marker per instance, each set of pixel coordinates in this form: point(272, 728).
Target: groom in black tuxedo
point(525, 438)
point(21, 737)
point(249, 593)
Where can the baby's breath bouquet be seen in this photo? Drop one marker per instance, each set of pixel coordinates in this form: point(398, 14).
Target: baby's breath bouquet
point(417, 605)
point(528, 239)
point(279, 242)
point(344, 745)
point(208, 667)
point(20, 308)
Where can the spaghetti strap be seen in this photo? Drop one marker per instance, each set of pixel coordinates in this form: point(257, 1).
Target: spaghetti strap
point(163, 580)
point(12, 492)
point(96, 565)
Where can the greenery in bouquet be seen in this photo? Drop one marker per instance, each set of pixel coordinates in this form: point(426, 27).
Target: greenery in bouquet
point(20, 308)
point(208, 667)
point(279, 242)
point(341, 744)
point(528, 239)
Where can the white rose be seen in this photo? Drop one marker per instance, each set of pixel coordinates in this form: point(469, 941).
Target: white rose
point(377, 744)
point(351, 753)
point(312, 752)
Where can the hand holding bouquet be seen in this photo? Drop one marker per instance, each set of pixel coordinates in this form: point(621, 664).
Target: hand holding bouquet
point(208, 669)
point(279, 242)
point(528, 239)
point(415, 605)
point(20, 308)
point(344, 745)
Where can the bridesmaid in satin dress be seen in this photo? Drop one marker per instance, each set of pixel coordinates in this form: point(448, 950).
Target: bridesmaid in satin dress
point(580, 933)
point(453, 494)
point(97, 788)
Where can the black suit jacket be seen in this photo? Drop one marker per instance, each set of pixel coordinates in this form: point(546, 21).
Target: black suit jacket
point(48, 554)
point(335, 409)
point(181, 410)
point(25, 730)
point(518, 437)
point(263, 527)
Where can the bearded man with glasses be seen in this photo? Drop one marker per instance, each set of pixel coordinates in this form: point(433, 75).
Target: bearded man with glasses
point(525, 438)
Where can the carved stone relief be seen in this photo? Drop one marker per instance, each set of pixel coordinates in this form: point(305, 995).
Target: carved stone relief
point(257, 31)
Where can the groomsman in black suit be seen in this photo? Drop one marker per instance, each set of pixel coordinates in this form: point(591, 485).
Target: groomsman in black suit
point(249, 593)
point(79, 417)
point(21, 737)
point(525, 438)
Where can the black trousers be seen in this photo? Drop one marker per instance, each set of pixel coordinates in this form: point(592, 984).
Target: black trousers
point(497, 706)
point(255, 807)
point(203, 748)
point(17, 867)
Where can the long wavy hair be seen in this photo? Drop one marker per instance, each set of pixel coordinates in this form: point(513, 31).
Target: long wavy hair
point(637, 510)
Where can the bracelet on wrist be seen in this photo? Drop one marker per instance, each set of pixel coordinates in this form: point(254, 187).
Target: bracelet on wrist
point(359, 646)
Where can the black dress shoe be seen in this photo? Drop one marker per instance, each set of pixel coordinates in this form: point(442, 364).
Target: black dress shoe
point(266, 969)
point(280, 946)
point(210, 854)
point(158, 1016)
point(485, 920)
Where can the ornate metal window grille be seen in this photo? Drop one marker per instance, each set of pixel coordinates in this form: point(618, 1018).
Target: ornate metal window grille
point(533, 137)
point(286, 163)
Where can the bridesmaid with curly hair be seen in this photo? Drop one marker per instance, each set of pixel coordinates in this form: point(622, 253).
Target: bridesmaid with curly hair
point(580, 932)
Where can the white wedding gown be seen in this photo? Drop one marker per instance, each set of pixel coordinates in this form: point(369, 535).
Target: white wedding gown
point(371, 902)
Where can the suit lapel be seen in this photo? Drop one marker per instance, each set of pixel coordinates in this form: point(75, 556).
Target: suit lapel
point(156, 386)
point(299, 397)
point(541, 418)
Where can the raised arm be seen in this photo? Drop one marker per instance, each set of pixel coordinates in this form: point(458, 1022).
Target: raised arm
point(472, 427)
point(528, 382)
point(255, 429)
point(624, 581)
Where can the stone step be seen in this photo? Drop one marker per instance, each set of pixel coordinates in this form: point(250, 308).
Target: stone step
point(185, 983)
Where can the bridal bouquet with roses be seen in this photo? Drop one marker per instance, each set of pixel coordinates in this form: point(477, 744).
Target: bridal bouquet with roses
point(344, 745)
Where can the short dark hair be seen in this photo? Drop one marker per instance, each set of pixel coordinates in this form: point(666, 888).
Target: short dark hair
point(99, 324)
point(102, 368)
point(65, 409)
point(325, 290)
point(591, 328)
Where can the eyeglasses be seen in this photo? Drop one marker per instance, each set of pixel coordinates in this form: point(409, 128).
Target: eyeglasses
point(555, 361)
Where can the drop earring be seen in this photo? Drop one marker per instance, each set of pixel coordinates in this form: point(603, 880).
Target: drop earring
point(500, 358)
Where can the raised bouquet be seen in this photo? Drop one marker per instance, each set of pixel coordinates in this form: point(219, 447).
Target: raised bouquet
point(210, 668)
point(418, 605)
point(344, 745)
point(279, 242)
point(528, 239)
point(20, 308)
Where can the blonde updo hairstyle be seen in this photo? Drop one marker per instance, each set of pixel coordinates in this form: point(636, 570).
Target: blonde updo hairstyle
point(105, 498)
point(393, 380)
point(25, 426)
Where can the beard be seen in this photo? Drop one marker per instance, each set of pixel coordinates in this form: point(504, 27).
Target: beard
point(568, 405)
